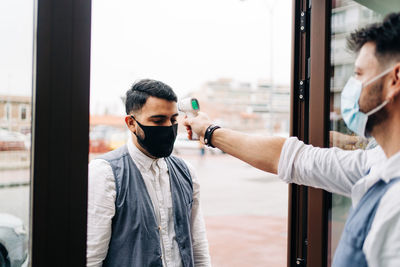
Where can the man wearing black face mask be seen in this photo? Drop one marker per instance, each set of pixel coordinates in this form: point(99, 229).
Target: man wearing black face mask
point(144, 207)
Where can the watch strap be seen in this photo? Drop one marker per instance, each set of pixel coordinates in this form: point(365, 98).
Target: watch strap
point(208, 134)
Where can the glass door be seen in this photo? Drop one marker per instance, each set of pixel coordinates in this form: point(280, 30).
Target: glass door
point(231, 57)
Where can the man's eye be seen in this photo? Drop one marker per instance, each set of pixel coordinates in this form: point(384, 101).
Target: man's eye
point(159, 122)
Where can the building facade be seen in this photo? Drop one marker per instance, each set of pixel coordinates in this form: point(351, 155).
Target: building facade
point(244, 106)
point(15, 113)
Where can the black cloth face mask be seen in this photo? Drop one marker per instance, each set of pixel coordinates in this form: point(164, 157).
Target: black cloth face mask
point(158, 140)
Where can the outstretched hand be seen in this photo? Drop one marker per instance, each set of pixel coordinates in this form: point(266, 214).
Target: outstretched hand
point(198, 124)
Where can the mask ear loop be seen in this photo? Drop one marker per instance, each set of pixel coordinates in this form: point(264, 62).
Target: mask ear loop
point(133, 117)
point(384, 103)
point(377, 77)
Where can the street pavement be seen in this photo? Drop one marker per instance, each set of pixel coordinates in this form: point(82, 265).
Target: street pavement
point(245, 210)
point(15, 193)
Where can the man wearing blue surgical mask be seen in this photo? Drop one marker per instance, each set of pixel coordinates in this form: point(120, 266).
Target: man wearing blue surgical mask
point(144, 204)
point(370, 107)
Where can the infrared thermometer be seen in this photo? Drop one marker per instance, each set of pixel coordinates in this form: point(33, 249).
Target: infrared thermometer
point(190, 106)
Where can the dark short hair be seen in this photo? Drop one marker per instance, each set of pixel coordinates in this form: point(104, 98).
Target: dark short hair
point(141, 90)
point(385, 35)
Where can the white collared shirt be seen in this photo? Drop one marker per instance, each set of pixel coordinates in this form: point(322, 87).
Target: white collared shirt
point(101, 209)
point(351, 173)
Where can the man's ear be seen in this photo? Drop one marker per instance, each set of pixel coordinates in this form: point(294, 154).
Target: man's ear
point(394, 89)
point(131, 123)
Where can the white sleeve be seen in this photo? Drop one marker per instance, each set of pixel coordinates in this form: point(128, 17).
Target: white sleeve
point(382, 245)
point(101, 210)
point(201, 252)
point(332, 169)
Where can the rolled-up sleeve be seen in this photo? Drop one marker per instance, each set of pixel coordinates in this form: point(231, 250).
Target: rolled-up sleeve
point(332, 169)
point(201, 252)
point(101, 210)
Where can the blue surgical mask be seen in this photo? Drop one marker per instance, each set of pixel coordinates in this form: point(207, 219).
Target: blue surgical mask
point(352, 116)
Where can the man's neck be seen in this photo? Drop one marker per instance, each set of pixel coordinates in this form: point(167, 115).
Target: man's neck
point(388, 135)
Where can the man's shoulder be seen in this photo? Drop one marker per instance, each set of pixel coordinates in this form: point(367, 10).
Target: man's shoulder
point(182, 163)
point(384, 231)
point(115, 154)
point(179, 161)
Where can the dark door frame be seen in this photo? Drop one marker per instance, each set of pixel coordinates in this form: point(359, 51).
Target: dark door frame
point(319, 200)
point(60, 133)
point(308, 207)
point(297, 210)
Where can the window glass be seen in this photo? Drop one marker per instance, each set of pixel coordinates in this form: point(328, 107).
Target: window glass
point(234, 57)
point(16, 46)
point(347, 15)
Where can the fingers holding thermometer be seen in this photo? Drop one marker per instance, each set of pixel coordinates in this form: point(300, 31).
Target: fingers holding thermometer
point(189, 130)
point(197, 125)
point(191, 107)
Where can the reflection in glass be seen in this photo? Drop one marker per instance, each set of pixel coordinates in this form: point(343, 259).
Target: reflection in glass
point(16, 46)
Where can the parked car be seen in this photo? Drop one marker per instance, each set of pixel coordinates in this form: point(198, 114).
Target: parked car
point(13, 241)
point(12, 140)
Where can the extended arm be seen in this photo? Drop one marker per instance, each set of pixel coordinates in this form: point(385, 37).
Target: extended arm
point(333, 169)
point(259, 151)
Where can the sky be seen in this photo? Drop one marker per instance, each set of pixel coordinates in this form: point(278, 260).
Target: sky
point(16, 46)
point(183, 43)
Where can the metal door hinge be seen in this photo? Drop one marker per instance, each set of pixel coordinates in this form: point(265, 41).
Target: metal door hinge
point(302, 90)
point(303, 21)
point(300, 262)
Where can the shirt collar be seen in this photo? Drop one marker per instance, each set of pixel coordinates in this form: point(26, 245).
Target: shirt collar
point(138, 156)
point(385, 170)
point(391, 168)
